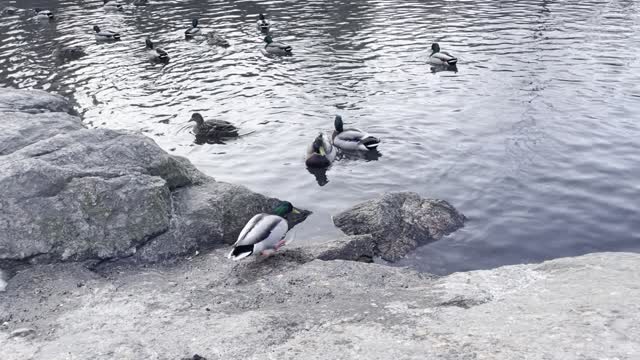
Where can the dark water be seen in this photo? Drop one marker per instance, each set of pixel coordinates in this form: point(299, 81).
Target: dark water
point(535, 138)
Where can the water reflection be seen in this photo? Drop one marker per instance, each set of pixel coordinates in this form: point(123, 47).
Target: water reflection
point(534, 139)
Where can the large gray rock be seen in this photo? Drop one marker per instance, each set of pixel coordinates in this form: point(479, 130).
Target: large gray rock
point(74, 194)
point(400, 222)
point(566, 309)
point(32, 101)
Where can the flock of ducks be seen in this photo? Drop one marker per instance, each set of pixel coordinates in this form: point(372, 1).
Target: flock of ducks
point(264, 233)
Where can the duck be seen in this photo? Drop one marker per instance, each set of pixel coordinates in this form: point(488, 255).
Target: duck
point(9, 10)
point(156, 54)
point(321, 152)
point(438, 57)
point(212, 130)
point(140, 2)
point(112, 5)
point(105, 35)
point(42, 14)
point(67, 53)
point(264, 234)
point(193, 30)
point(215, 39)
point(275, 48)
point(263, 24)
point(352, 139)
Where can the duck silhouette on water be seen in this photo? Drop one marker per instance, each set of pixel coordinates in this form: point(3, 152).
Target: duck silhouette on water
point(212, 131)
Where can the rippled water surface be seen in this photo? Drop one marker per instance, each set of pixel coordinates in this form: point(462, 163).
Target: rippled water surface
point(535, 138)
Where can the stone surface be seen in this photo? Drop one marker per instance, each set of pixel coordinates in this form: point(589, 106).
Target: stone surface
point(400, 222)
point(281, 308)
point(353, 248)
point(22, 332)
point(76, 194)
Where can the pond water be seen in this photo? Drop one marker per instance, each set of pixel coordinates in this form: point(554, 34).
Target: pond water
point(534, 138)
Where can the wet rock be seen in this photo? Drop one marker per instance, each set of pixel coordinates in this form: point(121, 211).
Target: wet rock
point(353, 248)
point(31, 101)
point(400, 222)
point(77, 194)
point(22, 332)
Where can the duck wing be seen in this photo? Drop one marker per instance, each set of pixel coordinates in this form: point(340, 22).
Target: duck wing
point(280, 46)
point(220, 128)
point(263, 228)
point(351, 135)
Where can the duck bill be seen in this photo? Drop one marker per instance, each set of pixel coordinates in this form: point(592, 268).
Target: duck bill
point(295, 211)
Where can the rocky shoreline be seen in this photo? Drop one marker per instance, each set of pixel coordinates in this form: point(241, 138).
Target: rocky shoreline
point(116, 250)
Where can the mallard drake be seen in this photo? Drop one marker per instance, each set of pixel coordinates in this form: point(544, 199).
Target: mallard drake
point(264, 234)
point(112, 5)
point(352, 139)
point(105, 35)
point(193, 30)
point(275, 48)
point(263, 24)
point(215, 39)
point(438, 57)
point(42, 14)
point(321, 152)
point(156, 54)
point(212, 130)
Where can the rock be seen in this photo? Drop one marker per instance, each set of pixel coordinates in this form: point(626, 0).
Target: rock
point(400, 222)
point(22, 332)
point(22, 129)
point(31, 101)
point(570, 309)
point(77, 194)
point(353, 248)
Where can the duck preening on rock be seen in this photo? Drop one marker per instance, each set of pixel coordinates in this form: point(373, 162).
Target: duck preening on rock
point(264, 234)
point(352, 139)
point(156, 54)
point(42, 14)
point(275, 48)
point(105, 35)
point(438, 57)
point(321, 152)
point(193, 30)
point(263, 24)
point(212, 131)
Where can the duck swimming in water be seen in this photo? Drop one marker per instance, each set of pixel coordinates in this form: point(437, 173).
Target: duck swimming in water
point(193, 30)
point(321, 152)
point(212, 130)
point(263, 24)
point(438, 57)
point(112, 5)
point(156, 54)
point(264, 234)
point(43, 14)
point(274, 48)
point(105, 35)
point(352, 139)
point(215, 39)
